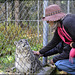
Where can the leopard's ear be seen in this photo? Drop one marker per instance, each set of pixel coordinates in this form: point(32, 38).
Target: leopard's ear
point(15, 42)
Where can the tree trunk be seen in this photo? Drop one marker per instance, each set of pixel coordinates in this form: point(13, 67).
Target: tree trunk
point(12, 18)
point(16, 12)
point(6, 14)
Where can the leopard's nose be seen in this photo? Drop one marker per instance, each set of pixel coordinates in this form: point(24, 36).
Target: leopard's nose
point(24, 45)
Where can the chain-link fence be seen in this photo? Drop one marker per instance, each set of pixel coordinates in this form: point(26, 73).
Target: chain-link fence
point(21, 19)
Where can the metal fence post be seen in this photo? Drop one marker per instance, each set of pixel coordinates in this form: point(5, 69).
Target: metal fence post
point(38, 21)
point(45, 30)
point(68, 6)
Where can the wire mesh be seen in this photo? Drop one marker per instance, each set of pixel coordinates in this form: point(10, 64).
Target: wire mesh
point(21, 19)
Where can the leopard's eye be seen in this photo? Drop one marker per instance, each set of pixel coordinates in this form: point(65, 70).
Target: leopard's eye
point(20, 40)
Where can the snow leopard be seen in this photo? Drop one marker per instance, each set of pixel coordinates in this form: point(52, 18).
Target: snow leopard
point(25, 60)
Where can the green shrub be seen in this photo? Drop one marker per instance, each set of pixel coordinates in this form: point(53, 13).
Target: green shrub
point(14, 33)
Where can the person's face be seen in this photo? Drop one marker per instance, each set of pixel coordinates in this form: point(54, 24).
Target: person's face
point(51, 23)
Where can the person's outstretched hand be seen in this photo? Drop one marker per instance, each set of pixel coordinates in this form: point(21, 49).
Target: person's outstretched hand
point(71, 59)
point(51, 61)
point(37, 53)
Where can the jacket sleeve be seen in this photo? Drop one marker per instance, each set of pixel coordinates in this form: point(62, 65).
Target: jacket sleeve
point(61, 56)
point(56, 39)
point(64, 54)
point(55, 50)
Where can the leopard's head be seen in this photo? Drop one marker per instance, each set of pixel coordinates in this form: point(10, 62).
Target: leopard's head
point(22, 44)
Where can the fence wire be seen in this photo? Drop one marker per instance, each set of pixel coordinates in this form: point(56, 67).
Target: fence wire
point(21, 19)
